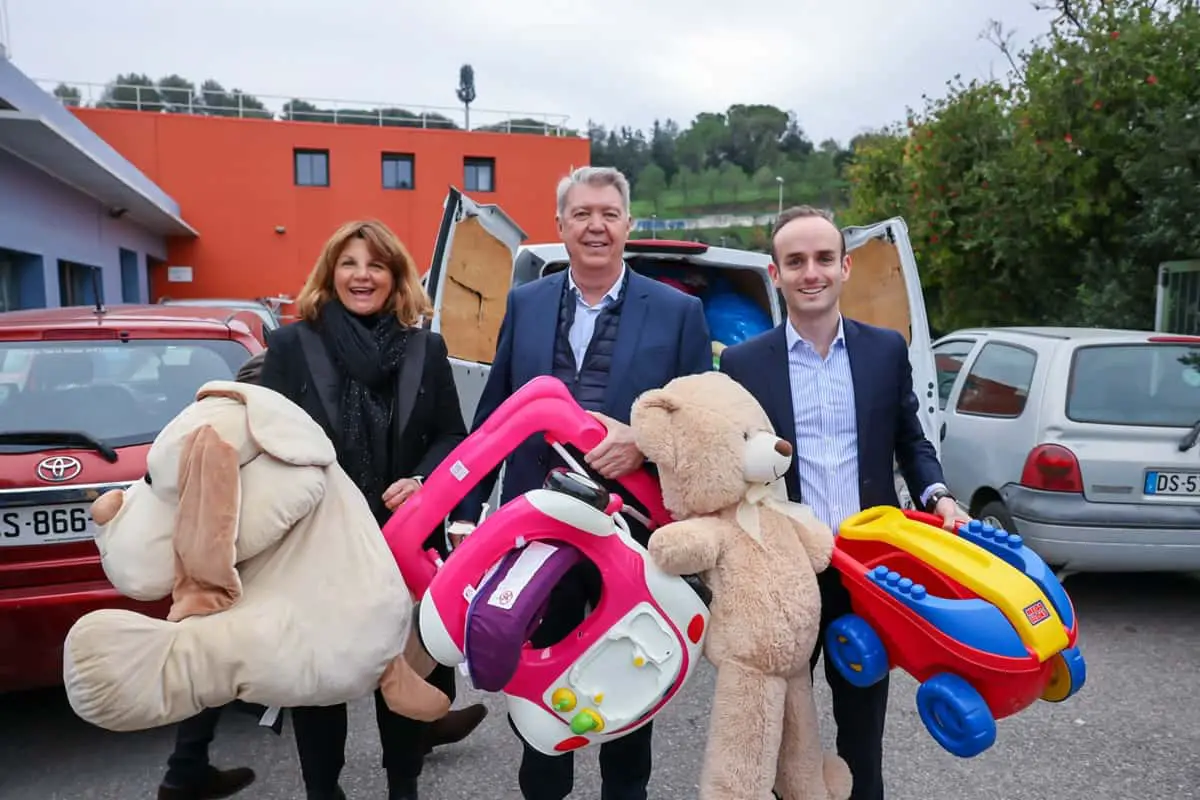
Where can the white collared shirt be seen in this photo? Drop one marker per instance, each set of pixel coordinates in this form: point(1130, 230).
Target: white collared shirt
point(826, 423)
point(580, 335)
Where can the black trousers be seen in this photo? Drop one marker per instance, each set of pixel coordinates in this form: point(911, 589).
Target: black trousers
point(188, 763)
point(859, 713)
point(321, 740)
point(625, 764)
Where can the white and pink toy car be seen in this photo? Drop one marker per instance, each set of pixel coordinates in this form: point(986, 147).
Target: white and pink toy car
point(627, 659)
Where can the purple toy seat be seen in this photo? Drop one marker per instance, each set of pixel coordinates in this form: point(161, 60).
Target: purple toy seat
point(508, 607)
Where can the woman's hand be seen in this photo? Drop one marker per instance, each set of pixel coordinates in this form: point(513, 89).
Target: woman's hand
point(400, 491)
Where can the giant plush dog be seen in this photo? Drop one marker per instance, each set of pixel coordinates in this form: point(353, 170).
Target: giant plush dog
point(283, 590)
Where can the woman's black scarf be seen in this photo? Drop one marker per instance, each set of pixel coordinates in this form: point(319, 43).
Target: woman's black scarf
point(367, 352)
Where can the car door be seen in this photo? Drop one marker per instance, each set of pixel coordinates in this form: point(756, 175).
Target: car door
point(885, 290)
point(953, 355)
point(468, 281)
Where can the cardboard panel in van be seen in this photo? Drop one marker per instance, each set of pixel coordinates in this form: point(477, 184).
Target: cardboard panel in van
point(876, 292)
point(477, 278)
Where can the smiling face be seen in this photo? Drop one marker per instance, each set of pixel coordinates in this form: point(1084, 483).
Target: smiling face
point(595, 226)
point(361, 281)
point(810, 267)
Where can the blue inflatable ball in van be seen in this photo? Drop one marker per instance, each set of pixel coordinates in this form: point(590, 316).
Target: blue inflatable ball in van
point(733, 318)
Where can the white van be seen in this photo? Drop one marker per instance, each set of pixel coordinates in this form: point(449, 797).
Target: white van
point(481, 253)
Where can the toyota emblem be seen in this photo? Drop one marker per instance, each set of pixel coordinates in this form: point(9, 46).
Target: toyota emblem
point(57, 469)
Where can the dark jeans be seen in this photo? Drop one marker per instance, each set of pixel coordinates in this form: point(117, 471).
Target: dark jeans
point(625, 763)
point(859, 713)
point(321, 740)
point(188, 764)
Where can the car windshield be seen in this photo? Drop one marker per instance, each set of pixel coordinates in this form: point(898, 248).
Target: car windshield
point(1138, 384)
point(119, 393)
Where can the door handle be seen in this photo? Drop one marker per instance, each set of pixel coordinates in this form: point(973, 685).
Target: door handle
point(942, 433)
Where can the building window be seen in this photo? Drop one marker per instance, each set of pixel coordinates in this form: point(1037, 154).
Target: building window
point(479, 174)
point(312, 167)
point(79, 284)
point(397, 171)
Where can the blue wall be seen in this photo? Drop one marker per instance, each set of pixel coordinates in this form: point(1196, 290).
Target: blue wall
point(43, 217)
point(25, 95)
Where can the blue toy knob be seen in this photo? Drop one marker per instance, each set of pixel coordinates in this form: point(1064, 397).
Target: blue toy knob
point(893, 578)
point(1014, 540)
point(905, 584)
point(918, 592)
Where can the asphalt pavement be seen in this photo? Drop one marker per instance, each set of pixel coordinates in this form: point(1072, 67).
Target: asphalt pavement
point(1134, 732)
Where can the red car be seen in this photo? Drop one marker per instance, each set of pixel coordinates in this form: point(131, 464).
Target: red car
point(83, 393)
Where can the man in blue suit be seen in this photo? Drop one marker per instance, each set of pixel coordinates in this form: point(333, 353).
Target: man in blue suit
point(609, 334)
point(841, 393)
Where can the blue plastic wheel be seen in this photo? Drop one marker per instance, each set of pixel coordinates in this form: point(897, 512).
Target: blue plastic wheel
point(856, 651)
point(956, 715)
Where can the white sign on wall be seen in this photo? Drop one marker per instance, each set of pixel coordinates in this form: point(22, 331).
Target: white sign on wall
point(179, 274)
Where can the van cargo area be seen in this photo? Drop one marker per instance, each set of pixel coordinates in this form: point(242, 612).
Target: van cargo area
point(734, 286)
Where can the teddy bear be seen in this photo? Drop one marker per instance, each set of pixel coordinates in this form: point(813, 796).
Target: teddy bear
point(721, 465)
point(282, 589)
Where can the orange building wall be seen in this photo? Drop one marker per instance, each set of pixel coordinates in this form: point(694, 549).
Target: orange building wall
point(233, 179)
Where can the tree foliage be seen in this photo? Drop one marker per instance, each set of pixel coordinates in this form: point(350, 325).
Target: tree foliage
point(1052, 196)
point(724, 162)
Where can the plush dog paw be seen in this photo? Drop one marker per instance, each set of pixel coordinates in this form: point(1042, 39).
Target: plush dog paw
point(114, 673)
point(838, 780)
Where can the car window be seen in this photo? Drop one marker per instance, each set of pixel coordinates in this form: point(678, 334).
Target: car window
point(1138, 384)
point(948, 358)
point(121, 393)
point(998, 382)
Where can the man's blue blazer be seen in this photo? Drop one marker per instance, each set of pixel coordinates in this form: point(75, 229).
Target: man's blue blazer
point(889, 430)
point(662, 335)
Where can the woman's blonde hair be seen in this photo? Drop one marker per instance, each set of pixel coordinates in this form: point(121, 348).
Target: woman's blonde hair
point(409, 300)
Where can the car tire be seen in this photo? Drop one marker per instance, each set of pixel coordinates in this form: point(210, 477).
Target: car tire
point(996, 512)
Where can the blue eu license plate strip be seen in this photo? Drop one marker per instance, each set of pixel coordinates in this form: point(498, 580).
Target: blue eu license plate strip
point(1158, 482)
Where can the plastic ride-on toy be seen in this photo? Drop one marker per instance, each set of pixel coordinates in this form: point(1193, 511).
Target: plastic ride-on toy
point(627, 659)
point(977, 618)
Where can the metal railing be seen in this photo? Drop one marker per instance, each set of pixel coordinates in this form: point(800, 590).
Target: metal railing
point(214, 101)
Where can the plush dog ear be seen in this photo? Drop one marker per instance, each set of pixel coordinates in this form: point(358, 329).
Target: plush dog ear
point(278, 426)
point(206, 525)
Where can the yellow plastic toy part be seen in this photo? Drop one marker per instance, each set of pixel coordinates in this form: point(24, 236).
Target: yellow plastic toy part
point(992, 578)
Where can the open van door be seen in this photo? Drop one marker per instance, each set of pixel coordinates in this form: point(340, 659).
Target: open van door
point(468, 281)
point(885, 290)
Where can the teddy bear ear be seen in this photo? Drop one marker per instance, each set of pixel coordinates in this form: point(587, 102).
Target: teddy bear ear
point(659, 399)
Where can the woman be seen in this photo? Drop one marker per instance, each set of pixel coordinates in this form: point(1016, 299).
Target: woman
point(380, 385)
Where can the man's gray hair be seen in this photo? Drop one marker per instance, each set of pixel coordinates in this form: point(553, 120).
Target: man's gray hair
point(593, 176)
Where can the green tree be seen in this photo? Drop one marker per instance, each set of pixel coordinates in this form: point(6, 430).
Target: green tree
point(1052, 196)
point(651, 183)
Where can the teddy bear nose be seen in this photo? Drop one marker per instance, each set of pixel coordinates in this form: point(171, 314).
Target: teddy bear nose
point(783, 448)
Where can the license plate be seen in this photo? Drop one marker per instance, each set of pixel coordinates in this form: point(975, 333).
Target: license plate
point(29, 525)
point(1172, 484)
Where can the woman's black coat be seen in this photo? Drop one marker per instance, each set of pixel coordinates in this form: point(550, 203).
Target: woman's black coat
point(428, 421)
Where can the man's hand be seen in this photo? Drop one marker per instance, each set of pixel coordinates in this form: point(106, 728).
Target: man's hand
point(951, 514)
point(617, 455)
point(456, 539)
point(400, 491)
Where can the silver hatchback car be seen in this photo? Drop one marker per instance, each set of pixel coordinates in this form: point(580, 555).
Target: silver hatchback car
point(1082, 440)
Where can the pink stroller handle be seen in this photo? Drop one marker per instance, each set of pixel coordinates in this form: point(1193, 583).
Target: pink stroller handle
point(542, 405)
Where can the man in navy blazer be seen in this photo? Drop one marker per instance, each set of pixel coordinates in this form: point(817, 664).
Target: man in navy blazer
point(841, 393)
point(609, 334)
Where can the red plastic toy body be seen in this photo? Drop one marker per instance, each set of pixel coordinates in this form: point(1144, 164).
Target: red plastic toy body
point(972, 664)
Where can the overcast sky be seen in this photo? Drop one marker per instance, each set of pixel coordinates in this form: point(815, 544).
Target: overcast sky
point(841, 65)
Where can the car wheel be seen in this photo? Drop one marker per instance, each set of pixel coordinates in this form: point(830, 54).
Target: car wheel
point(996, 514)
